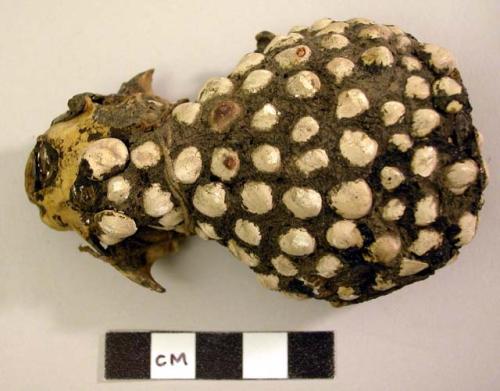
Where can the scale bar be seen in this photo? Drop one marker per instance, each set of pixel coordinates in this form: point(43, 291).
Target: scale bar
point(218, 355)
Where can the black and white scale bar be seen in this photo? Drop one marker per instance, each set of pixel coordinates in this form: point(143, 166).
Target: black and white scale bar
point(213, 355)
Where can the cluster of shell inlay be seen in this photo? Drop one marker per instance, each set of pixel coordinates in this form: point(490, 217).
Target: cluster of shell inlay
point(339, 163)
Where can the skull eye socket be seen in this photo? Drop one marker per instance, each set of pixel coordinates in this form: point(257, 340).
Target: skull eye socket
point(46, 164)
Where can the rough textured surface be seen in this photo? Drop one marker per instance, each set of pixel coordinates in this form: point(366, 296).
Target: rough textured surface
point(400, 183)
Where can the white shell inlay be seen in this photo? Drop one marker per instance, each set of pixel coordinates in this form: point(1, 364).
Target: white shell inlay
point(334, 41)
point(375, 32)
point(347, 293)
point(344, 234)
point(335, 27)
point(352, 103)
point(402, 141)
point(304, 84)
point(257, 197)
point(392, 112)
point(248, 61)
point(146, 155)
point(187, 165)
point(171, 219)
point(266, 158)
point(391, 177)
point(409, 267)
point(411, 63)
point(426, 210)
point(427, 240)
point(304, 129)
point(386, 248)
point(393, 210)
point(210, 199)
point(468, 226)
point(424, 122)
point(187, 113)
point(304, 203)
point(417, 87)
point(424, 161)
point(280, 41)
point(293, 57)
point(297, 242)
point(352, 200)
point(105, 155)
point(257, 80)
point(156, 201)
point(225, 163)
point(358, 148)
point(206, 231)
point(312, 160)
point(265, 118)
point(341, 68)
point(118, 189)
point(379, 56)
point(268, 281)
point(320, 24)
point(446, 86)
point(215, 86)
point(114, 226)
point(284, 266)
point(441, 59)
point(328, 266)
point(460, 175)
point(247, 258)
point(248, 232)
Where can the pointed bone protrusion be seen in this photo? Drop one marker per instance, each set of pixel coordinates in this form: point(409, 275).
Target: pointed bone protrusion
point(139, 84)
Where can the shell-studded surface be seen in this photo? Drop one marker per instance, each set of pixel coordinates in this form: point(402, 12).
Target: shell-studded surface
point(120, 186)
point(338, 161)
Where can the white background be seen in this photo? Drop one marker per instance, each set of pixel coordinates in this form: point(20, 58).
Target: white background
point(168, 344)
point(265, 355)
point(56, 303)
